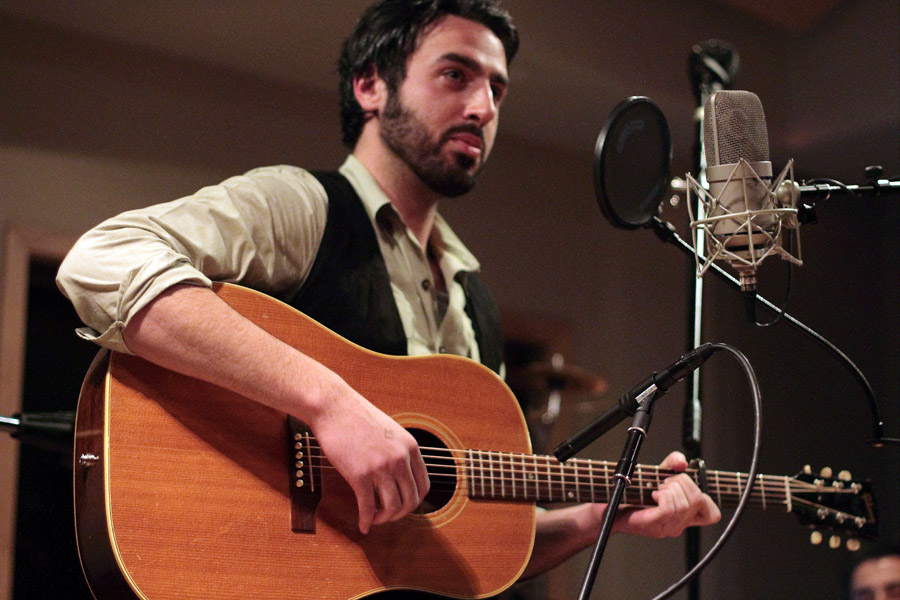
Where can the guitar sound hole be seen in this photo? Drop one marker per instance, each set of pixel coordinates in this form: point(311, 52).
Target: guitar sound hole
point(441, 471)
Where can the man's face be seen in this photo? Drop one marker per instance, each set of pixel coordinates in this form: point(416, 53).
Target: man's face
point(442, 121)
point(877, 579)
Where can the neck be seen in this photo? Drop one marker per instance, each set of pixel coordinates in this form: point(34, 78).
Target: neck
point(414, 201)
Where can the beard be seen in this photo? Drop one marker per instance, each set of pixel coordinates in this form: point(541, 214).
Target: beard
point(408, 137)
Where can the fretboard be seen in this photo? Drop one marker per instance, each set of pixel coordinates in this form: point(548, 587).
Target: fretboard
point(543, 479)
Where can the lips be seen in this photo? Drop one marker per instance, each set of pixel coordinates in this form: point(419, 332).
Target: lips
point(468, 143)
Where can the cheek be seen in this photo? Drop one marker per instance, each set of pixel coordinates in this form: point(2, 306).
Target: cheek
point(490, 134)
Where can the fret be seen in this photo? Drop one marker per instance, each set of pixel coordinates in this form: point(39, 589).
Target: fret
point(718, 489)
point(577, 483)
point(607, 484)
point(590, 465)
point(641, 487)
point(481, 472)
point(473, 465)
point(561, 469)
point(489, 472)
point(574, 476)
point(549, 482)
point(467, 458)
point(532, 475)
point(520, 474)
point(473, 482)
point(502, 480)
point(512, 474)
point(511, 466)
point(523, 472)
point(787, 495)
point(489, 469)
point(492, 464)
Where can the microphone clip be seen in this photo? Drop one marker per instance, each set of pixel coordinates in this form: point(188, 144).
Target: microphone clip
point(745, 214)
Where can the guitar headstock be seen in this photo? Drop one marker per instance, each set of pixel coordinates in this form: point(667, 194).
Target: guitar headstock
point(838, 504)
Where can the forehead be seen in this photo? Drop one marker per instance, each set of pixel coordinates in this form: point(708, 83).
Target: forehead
point(875, 573)
point(451, 35)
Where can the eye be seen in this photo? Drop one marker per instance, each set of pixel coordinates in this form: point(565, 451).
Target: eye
point(455, 75)
point(499, 91)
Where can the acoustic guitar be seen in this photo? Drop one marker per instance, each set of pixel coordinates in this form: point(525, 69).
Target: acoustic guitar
point(184, 490)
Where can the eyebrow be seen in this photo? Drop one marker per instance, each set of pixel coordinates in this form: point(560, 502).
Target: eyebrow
point(474, 65)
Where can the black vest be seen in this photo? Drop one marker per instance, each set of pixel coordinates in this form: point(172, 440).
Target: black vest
point(348, 289)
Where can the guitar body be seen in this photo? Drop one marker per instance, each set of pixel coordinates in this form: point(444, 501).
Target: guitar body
point(183, 489)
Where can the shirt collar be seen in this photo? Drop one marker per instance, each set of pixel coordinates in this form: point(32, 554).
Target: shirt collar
point(443, 238)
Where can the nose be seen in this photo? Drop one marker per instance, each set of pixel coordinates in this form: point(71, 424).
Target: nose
point(482, 106)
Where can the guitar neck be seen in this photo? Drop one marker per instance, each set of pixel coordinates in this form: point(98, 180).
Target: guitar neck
point(544, 479)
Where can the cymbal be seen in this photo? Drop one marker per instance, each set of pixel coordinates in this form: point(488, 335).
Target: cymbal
point(549, 377)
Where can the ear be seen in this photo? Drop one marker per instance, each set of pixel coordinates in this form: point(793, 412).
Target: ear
point(370, 90)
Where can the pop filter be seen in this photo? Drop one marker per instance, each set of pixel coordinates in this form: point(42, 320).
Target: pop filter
point(632, 163)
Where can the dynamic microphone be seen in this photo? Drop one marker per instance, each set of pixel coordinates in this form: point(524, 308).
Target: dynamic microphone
point(631, 401)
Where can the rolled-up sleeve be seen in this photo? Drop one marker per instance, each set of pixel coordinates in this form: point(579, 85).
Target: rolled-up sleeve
point(261, 229)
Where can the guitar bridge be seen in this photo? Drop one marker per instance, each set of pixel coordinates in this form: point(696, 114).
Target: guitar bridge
point(305, 466)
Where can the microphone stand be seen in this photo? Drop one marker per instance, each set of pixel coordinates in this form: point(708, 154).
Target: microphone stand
point(712, 66)
point(666, 232)
point(51, 431)
point(624, 471)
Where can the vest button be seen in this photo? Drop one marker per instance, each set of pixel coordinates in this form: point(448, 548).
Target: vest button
point(426, 284)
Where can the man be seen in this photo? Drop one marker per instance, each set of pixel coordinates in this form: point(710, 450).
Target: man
point(422, 84)
point(877, 577)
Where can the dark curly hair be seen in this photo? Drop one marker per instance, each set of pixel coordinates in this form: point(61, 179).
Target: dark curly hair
point(387, 33)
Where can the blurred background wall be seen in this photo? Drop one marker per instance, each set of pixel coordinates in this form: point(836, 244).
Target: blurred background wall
point(106, 106)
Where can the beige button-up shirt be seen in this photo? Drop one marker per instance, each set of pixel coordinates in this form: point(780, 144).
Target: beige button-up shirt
point(262, 230)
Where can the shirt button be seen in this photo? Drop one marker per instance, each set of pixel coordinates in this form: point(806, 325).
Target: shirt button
point(426, 284)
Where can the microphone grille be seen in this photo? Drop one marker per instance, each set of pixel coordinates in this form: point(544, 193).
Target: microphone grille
point(734, 127)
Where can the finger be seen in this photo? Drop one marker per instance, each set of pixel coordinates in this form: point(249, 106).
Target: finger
point(365, 502)
point(420, 474)
point(389, 501)
point(678, 490)
point(710, 512)
point(409, 492)
point(675, 461)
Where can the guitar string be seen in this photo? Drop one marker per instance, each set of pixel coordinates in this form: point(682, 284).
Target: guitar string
point(634, 496)
point(583, 472)
point(733, 486)
point(550, 494)
point(597, 469)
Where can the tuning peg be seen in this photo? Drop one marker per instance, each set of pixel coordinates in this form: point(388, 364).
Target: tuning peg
point(853, 544)
point(815, 538)
point(807, 470)
point(845, 475)
point(834, 542)
point(825, 472)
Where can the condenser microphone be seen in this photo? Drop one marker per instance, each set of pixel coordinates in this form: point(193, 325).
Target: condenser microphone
point(739, 174)
point(744, 212)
